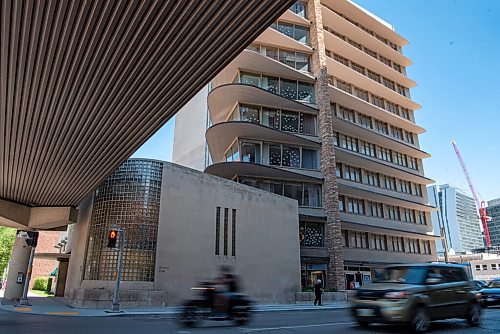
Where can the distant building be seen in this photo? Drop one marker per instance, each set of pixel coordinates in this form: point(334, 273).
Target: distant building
point(493, 211)
point(457, 214)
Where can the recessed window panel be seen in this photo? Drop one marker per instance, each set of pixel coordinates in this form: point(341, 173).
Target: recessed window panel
point(291, 156)
point(250, 79)
point(288, 89)
point(294, 191)
point(249, 114)
point(275, 155)
point(309, 159)
point(271, 118)
point(289, 121)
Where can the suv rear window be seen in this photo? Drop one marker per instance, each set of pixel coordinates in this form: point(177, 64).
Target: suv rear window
point(402, 275)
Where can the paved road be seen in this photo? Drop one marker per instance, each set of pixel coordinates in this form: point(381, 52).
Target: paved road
point(307, 322)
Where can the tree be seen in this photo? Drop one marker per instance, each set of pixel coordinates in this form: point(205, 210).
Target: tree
point(7, 237)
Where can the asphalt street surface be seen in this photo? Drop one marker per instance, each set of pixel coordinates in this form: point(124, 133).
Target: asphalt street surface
point(319, 321)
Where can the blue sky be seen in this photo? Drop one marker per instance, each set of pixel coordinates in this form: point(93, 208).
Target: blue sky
point(455, 47)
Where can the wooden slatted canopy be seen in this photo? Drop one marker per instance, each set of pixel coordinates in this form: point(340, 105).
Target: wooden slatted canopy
point(83, 84)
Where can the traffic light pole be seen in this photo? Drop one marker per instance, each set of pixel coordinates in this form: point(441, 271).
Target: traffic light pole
point(116, 299)
point(24, 298)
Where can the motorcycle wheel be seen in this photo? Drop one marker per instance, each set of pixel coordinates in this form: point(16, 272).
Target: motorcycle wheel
point(189, 316)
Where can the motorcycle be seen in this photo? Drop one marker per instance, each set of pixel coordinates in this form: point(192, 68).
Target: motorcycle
point(235, 307)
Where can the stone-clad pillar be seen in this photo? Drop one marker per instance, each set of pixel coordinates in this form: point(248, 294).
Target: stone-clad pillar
point(335, 273)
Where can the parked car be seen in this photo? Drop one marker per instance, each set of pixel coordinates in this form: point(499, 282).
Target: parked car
point(490, 294)
point(478, 284)
point(416, 294)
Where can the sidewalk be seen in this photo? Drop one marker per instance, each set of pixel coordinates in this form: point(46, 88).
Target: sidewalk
point(57, 306)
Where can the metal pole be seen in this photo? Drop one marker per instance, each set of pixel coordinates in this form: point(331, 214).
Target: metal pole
point(116, 298)
point(445, 244)
point(24, 298)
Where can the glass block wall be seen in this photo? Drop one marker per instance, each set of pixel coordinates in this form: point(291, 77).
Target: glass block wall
point(129, 199)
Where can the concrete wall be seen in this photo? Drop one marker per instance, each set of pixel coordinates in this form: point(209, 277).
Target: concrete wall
point(189, 133)
point(267, 246)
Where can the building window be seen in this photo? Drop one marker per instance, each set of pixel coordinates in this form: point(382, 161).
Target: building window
point(217, 231)
point(289, 121)
point(291, 156)
point(493, 266)
point(393, 212)
point(356, 206)
point(226, 229)
point(345, 238)
point(378, 242)
point(405, 187)
point(393, 108)
point(338, 170)
point(384, 154)
point(312, 234)
point(341, 203)
point(250, 152)
point(300, 8)
point(389, 84)
point(398, 244)
point(367, 148)
point(358, 68)
point(342, 85)
point(478, 267)
point(378, 101)
point(352, 173)
point(359, 239)
point(388, 182)
point(375, 209)
point(312, 195)
point(349, 143)
point(307, 124)
point(249, 114)
point(382, 127)
point(361, 93)
point(397, 132)
point(374, 76)
point(271, 118)
point(233, 234)
point(485, 267)
point(341, 59)
point(365, 121)
point(412, 163)
point(372, 179)
point(309, 159)
point(346, 114)
point(275, 155)
point(427, 246)
point(294, 191)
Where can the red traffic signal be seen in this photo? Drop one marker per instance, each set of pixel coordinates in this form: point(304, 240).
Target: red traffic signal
point(112, 235)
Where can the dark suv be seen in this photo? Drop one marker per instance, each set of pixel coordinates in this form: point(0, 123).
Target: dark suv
point(417, 294)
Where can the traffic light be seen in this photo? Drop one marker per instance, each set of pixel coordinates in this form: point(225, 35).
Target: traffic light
point(112, 234)
point(32, 239)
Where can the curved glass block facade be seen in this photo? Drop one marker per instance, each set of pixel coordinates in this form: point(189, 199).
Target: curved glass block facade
point(130, 199)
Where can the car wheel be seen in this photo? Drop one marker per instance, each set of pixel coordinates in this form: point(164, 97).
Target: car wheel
point(420, 323)
point(474, 315)
point(189, 316)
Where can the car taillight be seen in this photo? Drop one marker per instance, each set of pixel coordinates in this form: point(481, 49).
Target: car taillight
point(397, 295)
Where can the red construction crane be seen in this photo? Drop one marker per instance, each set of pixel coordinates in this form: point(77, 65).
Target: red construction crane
point(481, 205)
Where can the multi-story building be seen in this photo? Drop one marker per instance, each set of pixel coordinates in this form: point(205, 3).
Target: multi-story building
point(318, 109)
point(457, 218)
point(493, 211)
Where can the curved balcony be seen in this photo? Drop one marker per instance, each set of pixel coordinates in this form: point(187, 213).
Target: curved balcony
point(291, 17)
point(357, 34)
point(361, 81)
point(223, 99)
point(375, 165)
point(355, 190)
point(273, 37)
point(229, 170)
point(367, 19)
point(252, 61)
point(375, 137)
point(220, 137)
point(346, 50)
point(350, 101)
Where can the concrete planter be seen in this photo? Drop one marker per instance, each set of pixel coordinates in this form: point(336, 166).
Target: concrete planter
point(328, 297)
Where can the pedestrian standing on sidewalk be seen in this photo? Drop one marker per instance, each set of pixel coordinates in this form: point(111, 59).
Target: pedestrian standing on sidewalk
point(318, 291)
